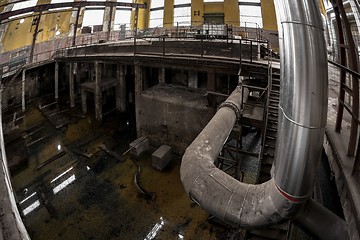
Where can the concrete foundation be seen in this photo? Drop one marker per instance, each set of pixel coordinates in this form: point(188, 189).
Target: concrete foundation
point(172, 115)
point(161, 157)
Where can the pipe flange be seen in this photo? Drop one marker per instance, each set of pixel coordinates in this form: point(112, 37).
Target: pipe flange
point(232, 106)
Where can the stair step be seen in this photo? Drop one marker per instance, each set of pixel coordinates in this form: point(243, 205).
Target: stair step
point(270, 141)
point(272, 117)
point(272, 125)
point(269, 146)
point(266, 159)
point(270, 153)
point(271, 133)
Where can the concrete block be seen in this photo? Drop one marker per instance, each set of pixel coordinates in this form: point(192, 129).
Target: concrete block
point(139, 146)
point(161, 157)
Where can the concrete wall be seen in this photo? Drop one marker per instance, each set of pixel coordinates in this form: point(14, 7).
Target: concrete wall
point(171, 115)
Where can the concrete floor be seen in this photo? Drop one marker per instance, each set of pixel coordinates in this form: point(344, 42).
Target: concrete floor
point(64, 195)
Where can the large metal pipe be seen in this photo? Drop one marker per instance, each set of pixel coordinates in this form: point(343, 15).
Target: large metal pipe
point(303, 99)
point(302, 119)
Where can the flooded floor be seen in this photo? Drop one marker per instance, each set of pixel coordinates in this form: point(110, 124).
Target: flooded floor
point(68, 188)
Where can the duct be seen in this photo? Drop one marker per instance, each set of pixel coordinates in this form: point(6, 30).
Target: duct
point(319, 221)
point(302, 119)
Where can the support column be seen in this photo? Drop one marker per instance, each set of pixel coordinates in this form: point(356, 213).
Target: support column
point(138, 91)
point(83, 101)
point(231, 11)
point(71, 85)
point(197, 12)
point(144, 15)
point(56, 81)
point(23, 90)
point(162, 75)
point(211, 81)
point(268, 15)
point(168, 20)
point(98, 93)
point(193, 79)
point(108, 19)
point(120, 89)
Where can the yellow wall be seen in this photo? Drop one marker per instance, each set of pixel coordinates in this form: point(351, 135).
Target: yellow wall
point(268, 15)
point(168, 13)
point(231, 11)
point(19, 35)
point(322, 7)
point(197, 5)
point(144, 15)
point(214, 7)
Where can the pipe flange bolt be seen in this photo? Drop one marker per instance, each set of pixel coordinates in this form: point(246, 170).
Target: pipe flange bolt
point(232, 106)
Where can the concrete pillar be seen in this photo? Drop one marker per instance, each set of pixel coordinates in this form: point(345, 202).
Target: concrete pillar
point(83, 101)
point(197, 12)
point(231, 12)
point(120, 89)
point(56, 81)
point(193, 79)
point(98, 93)
point(138, 90)
point(211, 81)
point(268, 15)
point(143, 16)
point(108, 20)
point(71, 85)
point(168, 20)
point(23, 90)
point(162, 75)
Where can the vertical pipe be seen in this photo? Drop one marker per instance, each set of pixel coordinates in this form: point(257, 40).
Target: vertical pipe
point(76, 27)
point(161, 75)
point(56, 81)
point(303, 98)
point(23, 90)
point(120, 89)
point(71, 86)
point(98, 94)
point(138, 91)
point(83, 101)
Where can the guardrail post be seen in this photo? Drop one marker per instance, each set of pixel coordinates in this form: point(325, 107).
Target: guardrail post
point(23, 90)
point(56, 81)
point(202, 47)
point(163, 46)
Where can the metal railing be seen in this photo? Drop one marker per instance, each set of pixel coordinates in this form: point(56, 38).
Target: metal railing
point(335, 69)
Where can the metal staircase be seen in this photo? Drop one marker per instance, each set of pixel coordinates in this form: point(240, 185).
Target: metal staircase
point(269, 140)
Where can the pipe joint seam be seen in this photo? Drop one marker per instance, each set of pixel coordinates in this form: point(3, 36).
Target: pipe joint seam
point(305, 24)
point(299, 124)
point(232, 106)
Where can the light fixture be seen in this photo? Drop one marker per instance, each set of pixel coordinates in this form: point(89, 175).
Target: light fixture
point(57, 33)
point(22, 21)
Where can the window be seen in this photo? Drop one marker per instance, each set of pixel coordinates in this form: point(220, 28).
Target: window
point(182, 16)
point(93, 17)
point(177, 2)
point(156, 18)
point(250, 16)
point(157, 3)
point(22, 5)
point(121, 17)
point(59, 1)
